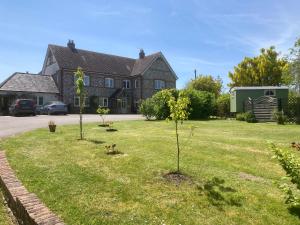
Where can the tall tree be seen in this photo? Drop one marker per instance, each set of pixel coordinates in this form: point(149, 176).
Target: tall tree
point(178, 113)
point(81, 94)
point(207, 83)
point(267, 69)
point(294, 58)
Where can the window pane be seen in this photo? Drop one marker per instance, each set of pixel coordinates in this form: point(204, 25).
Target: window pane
point(41, 100)
point(105, 102)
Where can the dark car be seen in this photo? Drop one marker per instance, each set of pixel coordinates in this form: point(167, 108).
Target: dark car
point(23, 107)
point(54, 107)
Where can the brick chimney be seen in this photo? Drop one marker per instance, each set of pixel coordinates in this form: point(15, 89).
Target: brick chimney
point(142, 54)
point(71, 45)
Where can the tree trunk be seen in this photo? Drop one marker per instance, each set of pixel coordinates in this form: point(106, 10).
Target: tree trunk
point(177, 141)
point(80, 122)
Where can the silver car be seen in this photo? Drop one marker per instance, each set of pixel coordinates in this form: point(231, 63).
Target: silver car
point(54, 107)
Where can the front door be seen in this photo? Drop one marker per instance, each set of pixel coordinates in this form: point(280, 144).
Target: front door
point(124, 103)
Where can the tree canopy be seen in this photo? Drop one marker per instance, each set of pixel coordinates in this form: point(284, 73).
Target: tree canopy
point(206, 83)
point(294, 58)
point(266, 69)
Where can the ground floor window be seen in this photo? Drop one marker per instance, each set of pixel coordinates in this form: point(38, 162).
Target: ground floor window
point(40, 100)
point(77, 101)
point(103, 102)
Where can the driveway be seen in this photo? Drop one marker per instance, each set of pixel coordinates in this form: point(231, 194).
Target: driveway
point(14, 125)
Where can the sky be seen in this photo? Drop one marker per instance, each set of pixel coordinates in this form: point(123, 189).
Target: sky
point(209, 36)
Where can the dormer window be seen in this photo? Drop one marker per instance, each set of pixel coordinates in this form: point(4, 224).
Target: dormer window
point(269, 92)
point(126, 84)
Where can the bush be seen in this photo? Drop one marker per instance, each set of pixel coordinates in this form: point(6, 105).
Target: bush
point(279, 117)
point(160, 100)
point(202, 103)
point(250, 117)
point(241, 117)
point(223, 105)
point(291, 164)
point(247, 116)
point(147, 108)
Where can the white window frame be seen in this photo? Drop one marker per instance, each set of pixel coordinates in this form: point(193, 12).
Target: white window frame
point(38, 100)
point(86, 100)
point(159, 84)
point(86, 80)
point(127, 84)
point(108, 82)
point(102, 102)
point(136, 83)
point(274, 92)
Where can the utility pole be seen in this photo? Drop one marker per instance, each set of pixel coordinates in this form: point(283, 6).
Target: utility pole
point(195, 71)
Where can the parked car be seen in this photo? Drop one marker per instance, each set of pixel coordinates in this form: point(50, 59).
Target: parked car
point(23, 106)
point(54, 107)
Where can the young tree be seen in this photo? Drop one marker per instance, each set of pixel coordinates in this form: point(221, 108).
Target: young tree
point(102, 111)
point(267, 69)
point(81, 94)
point(178, 112)
point(207, 83)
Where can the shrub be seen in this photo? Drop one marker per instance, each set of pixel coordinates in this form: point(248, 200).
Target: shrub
point(291, 164)
point(223, 105)
point(241, 116)
point(147, 108)
point(279, 117)
point(202, 103)
point(250, 117)
point(161, 99)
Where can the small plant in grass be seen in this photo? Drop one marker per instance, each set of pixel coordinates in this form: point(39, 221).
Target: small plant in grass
point(52, 126)
point(103, 111)
point(179, 111)
point(111, 127)
point(291, 164)
point(111, 149)
point(279, 117)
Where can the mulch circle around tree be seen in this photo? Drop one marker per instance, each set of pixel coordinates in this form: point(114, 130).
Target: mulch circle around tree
point(103, 125)
point(111, 130)
point(177, 177)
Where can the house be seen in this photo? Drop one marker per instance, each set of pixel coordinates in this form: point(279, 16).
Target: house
point(116, 82)
point(260, 100)
point(26, 85)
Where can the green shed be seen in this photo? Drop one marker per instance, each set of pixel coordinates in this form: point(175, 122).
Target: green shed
point(260, 100)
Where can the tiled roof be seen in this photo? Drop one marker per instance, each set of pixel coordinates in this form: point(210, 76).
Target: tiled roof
point(99, 62)
point(27, 82)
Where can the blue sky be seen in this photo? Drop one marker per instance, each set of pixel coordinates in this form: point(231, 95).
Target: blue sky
point(210, 36)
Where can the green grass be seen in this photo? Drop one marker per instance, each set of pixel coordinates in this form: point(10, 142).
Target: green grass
point(4, 218)
point(82, 184)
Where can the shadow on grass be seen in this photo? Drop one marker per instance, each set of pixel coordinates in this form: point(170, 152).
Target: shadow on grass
point(97, 142)
point(220, 195)
point(295, 210)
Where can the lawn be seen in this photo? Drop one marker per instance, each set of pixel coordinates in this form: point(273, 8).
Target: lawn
point(231, 172)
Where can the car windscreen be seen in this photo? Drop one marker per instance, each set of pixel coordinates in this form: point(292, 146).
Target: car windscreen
point(25, 103)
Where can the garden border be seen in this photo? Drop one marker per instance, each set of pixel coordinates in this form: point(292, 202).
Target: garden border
point(26, 206)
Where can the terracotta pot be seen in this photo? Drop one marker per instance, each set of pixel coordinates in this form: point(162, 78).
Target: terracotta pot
point(52, 128)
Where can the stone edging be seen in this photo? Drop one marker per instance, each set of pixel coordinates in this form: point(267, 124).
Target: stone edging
point(26, 207)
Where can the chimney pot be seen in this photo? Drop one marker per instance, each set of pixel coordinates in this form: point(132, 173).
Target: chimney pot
point(71, 44)
point(142, 54)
